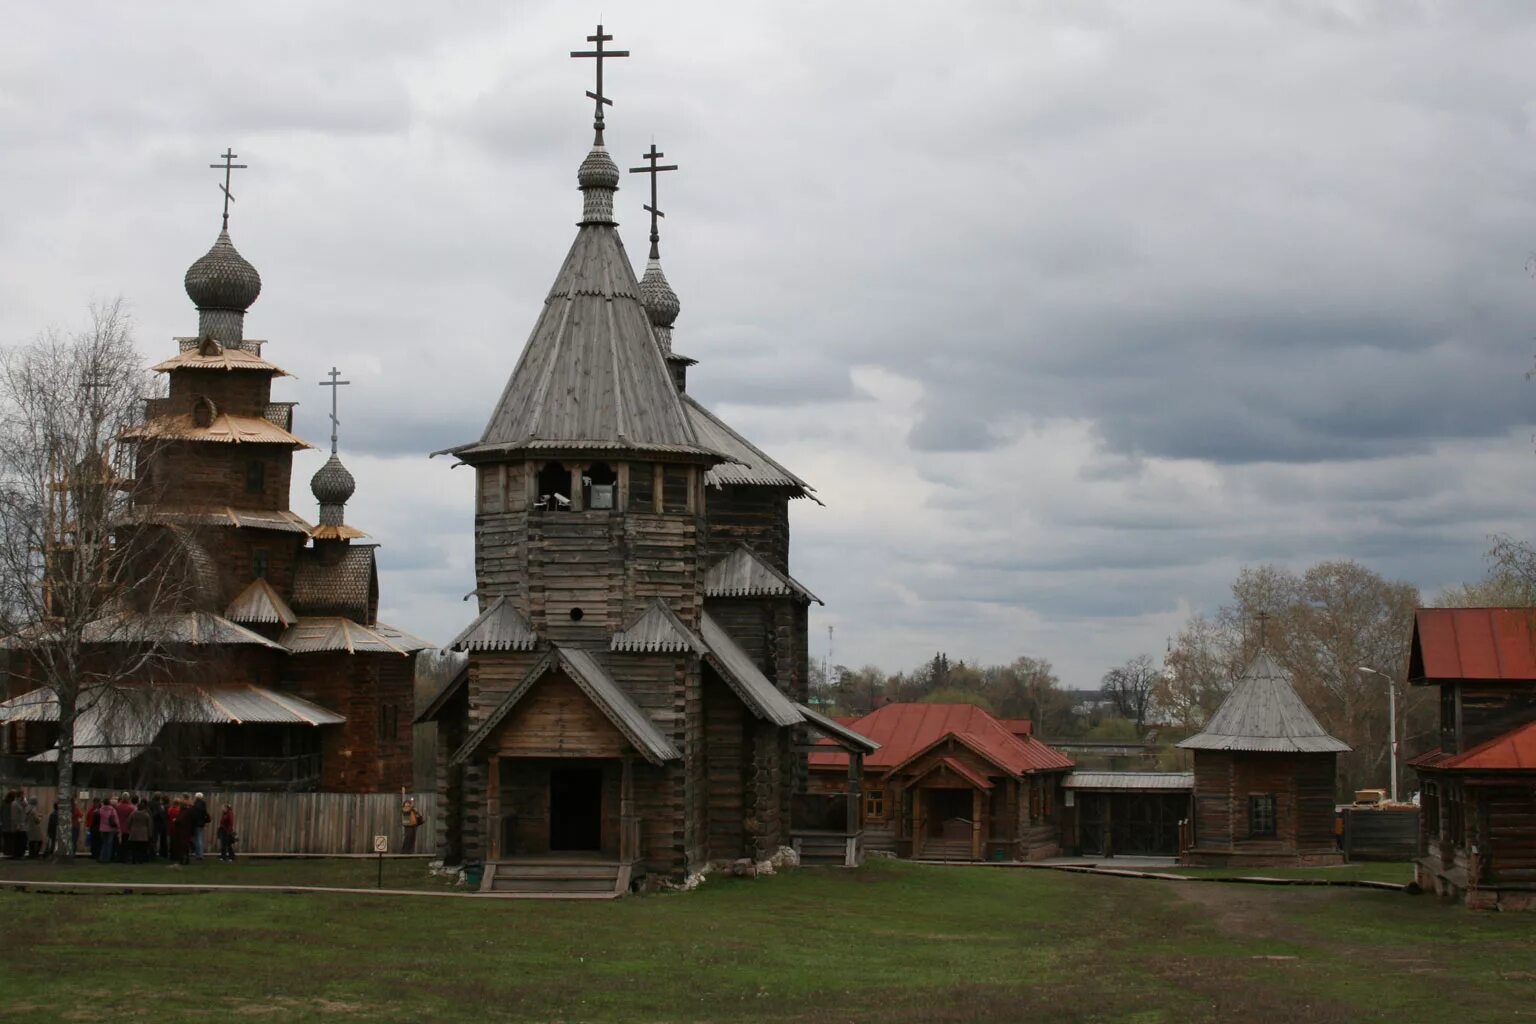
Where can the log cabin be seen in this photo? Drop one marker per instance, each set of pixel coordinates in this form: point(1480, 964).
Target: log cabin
point(284, 677)
point(630, 707)
point(952, 782)
point(1477, 839)
point(1264, 778)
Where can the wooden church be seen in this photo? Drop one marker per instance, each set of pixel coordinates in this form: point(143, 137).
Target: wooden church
point(284, 678)
point(631, 699)
point(1265, 773)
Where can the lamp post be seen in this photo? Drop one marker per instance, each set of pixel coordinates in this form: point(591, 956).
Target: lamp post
point(1392, 723)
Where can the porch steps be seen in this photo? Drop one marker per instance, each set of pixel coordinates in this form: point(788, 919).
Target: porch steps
point(947, 849)
point(556, 879)
point(821, 848)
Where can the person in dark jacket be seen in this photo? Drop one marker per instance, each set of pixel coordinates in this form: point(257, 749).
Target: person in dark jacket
point(201, 818)
point(51, 839)
point(162, 827)
point(34, 823)
point(227, 834)
point(139, 830)
point(181, 832)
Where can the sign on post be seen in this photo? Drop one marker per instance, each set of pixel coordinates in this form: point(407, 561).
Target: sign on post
point(381, 847)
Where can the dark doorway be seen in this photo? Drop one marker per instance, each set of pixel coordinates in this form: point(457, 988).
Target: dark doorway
point(576, 809)
point(945, 805)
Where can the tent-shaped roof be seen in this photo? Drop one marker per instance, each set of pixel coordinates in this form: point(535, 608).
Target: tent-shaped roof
point(743, 574)
point(592, 375)
point(260, 603)
point(1473, 643)
point(656, 630)
point(501, 627)
point(907, 730)
point(1514, 751)
point(1264, 713)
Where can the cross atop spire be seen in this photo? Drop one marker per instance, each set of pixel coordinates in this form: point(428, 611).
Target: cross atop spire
point(229, 156)
point(334, 384)
point(597, 97)
point(653, 169)
point(1262, 618)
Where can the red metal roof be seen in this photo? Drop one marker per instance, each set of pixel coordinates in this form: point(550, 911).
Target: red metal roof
point(1515, 751)
point(903, 730)
point(1018, 726)
point(1474, 643)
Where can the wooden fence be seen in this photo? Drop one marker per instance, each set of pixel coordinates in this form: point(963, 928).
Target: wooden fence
point(1381, 834)
point(308, 823)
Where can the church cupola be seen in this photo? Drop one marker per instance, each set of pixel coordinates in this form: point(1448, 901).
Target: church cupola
point(656, 294)
point(332, 485)
point(223, 284)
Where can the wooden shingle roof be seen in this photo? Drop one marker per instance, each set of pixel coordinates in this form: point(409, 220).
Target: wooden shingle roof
point(743, 574)
point(656, 630)
point(346, 586)
point(591, 375)
point(749, 465)
point(1264, 713)
point(501, 627)
point(260, 603)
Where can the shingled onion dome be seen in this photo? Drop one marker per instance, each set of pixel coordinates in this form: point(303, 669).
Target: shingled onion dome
point(222, 284)
point(660, 302)
point(598, 179)
point(332, 485)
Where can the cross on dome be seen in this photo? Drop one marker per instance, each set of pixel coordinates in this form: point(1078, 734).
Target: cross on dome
point(597, 97)
point(335, 384)
point(653, 169)
point(229, 156)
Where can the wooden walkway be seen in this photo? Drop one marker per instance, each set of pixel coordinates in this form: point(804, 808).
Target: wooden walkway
point(1167, 876)
point(43, 887)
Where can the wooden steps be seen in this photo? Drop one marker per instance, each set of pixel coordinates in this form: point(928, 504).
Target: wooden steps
point(821, 848)
point(946, 849)
point(556, 878)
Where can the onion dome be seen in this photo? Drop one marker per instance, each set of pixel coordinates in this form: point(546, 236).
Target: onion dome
point(223, 279)
point(660, 302)
point(332, 485)
point(598, 179)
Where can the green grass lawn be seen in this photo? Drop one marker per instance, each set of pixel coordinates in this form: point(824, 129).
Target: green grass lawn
point(344, 873)
point(891, 942)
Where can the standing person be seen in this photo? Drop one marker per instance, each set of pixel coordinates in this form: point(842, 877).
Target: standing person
point(201, 818)
point(162, 827)
point(5, 822)
point(227, 835)
point(93, 827)
point(50, 840)
point(181, 832)
point(410, 821)
point(34, 823)
point(139, 830)
point(125, 808)
point(16, 826)
point(108, 826)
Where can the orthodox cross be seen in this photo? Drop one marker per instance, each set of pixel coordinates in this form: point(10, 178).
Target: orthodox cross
point(653, 169)
point(334, 384)
point(597, 97)
point(228, 156)
point(1263, 621)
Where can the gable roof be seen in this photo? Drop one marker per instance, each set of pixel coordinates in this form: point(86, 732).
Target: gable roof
point(349, 585)
point(1473, 643)
point(592, 374)
point(593, 680)
point(1264, 713)
point(743, 574)
point(836, 731)
point(441, 673)
point(260, 603)
point(501, 627)
point(906, 730)
point(960, 768)
point(736, 667)
point(657, 630)
point(749, 465)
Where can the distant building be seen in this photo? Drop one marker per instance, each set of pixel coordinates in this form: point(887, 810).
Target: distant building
point(289, 680)
point(1264, 777)
point(952, 782)
point(1478, 798)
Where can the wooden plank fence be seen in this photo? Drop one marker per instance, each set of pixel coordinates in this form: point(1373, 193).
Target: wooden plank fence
point(1381, 834)
point(306, 823)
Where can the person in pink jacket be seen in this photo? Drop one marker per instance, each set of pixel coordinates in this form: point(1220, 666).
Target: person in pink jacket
point(109, 828)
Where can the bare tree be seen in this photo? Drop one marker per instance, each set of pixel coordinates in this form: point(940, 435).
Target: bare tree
point(89, 603)
point(1129, 687)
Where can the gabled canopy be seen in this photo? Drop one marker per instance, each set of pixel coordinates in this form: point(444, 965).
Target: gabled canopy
point(656, 630)
point(1263, 712)
point(592, 375)
point(501, 627)
point(743, 676)
point(260, 603)
point(335, 633)
point(907, 731)
point(742, 573)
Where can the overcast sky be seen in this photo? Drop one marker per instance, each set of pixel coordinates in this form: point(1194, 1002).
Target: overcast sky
point(1068, 311)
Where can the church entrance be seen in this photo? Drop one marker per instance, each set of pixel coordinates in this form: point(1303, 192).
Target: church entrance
point(576, 809)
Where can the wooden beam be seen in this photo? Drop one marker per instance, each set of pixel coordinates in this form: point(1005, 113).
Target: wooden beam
point(493, 804)
point(976, 812)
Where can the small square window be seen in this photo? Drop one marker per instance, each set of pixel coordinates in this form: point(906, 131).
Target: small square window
point(1261, 814)
point(874, 804)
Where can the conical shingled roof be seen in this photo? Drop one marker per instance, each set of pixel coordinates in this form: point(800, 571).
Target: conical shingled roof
point(1264, 713)
point(592, 375)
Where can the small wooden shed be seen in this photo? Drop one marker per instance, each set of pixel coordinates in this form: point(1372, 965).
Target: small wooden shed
point(1264, 778)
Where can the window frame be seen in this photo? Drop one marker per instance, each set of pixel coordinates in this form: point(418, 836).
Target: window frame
point(255, 476)
point(1262, 806)
point(874, 804)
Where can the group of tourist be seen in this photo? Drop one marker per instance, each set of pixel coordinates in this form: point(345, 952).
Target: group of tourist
point(118, 828)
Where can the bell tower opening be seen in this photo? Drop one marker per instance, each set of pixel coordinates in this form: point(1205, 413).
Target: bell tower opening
point(600, 487)
point(554, 493)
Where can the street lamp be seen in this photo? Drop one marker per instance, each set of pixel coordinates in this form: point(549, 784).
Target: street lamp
point(1392, 716)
